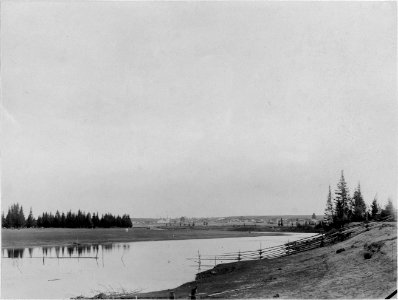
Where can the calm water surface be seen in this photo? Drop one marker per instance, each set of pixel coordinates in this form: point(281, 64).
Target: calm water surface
point(63, 272)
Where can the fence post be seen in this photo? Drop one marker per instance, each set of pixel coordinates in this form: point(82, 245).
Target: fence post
point(199, 262)
point(193, 293)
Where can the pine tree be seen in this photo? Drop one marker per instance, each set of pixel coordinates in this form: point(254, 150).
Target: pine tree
point(328, 216)
point(342, 200)
point(359, 206)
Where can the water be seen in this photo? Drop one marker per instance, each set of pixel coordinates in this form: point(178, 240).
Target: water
point(63, 272)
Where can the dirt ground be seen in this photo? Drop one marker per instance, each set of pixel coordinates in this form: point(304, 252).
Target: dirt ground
point(319, 273)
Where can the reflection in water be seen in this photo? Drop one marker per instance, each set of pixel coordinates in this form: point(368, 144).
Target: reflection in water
point(70, 249)
point(88, 270)
point(95, 250)
point(63, 251)
point(15, 253)
point(57, 250)
point(74, 251)
point(107, 247)
point(110, 247)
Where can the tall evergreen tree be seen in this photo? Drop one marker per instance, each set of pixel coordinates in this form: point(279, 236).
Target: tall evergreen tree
point(30, 221)
point(57, 219)
point(359, 206)
point(374, 209)
point(3, 221)
point(342, 199)
point(15, 216)
point(328, 216)
point(388, 211)
point(9, 218)
point(15, 219)
point(63, 220)
point(21, 218)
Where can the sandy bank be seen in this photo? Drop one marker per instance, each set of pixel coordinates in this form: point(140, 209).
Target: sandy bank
point(319, 273)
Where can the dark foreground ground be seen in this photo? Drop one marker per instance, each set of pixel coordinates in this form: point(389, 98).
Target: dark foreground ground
point(315, 274)
point(13, 238)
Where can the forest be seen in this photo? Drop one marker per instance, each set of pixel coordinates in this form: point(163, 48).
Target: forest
point(342, 208)
point(15, 218)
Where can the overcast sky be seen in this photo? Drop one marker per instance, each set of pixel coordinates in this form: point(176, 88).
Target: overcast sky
point(196, 108)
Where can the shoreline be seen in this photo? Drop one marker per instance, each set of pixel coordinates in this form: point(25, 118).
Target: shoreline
point(64, 237)
point(327, 272)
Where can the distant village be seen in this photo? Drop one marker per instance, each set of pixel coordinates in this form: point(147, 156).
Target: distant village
point(285, 221)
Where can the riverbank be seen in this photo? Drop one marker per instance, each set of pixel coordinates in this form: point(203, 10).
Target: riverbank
point(50, 237)
point(366, 268)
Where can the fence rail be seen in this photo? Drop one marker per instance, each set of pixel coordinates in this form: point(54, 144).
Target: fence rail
point(291, 248)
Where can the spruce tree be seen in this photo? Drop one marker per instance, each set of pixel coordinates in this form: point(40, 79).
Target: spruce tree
point(374, 209)
point(342, 200)
point(359, 206)
point(3, 221)
point(63, 220)
point(328, 216)
point(30, 219)
point(9, 219)
point(389, 211)
point(21, 218)
point(15, 216)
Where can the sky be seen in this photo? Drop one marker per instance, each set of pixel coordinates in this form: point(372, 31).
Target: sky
point(175, 109)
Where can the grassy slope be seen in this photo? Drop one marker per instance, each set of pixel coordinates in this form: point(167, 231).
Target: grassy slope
point(64, 236)
point(319, 273)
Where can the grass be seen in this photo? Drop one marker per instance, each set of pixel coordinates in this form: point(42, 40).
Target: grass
point(24, 238)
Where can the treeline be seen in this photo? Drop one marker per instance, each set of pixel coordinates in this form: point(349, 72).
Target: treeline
point(342, 208)
point(16, 219)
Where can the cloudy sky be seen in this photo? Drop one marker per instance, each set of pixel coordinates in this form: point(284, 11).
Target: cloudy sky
point(196, 108)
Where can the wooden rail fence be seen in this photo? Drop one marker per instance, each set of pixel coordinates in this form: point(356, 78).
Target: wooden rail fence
point(291, 248)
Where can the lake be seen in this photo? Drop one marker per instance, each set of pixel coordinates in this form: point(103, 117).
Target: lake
point(64, 272)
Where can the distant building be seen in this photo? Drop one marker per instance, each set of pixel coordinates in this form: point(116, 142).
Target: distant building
point(163, 221)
